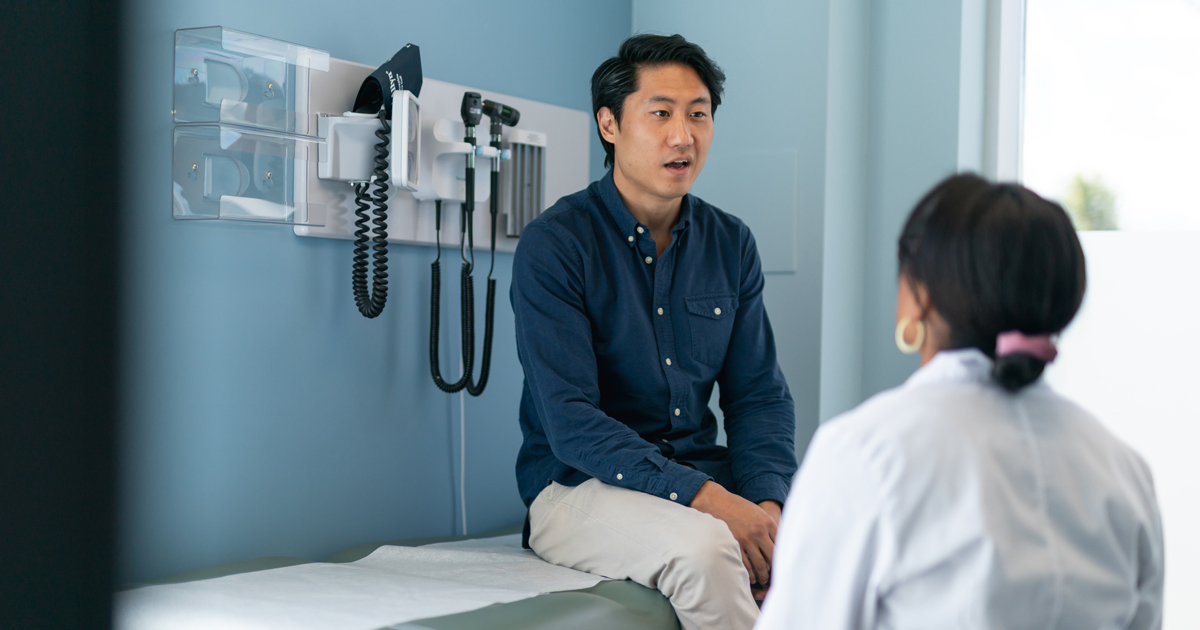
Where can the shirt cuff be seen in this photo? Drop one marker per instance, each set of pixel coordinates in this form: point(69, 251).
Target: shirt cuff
point(765, 487)
point(683, 483)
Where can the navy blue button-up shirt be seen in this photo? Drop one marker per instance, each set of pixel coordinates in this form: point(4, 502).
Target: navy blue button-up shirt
point(621, 349)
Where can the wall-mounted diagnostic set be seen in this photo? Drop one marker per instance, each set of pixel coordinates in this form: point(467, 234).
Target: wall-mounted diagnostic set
point(270, 131)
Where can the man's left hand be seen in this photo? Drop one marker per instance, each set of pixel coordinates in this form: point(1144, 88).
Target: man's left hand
point(773, 509)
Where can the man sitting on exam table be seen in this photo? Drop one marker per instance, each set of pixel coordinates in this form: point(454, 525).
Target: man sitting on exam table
point(973, 496)
point(631, 299)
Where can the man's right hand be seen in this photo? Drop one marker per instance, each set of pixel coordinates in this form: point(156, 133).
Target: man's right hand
point(751, 526)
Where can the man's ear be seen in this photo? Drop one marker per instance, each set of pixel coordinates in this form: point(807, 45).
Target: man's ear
point(607, 124)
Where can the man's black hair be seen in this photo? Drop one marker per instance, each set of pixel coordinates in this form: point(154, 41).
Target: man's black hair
point(617, 77)
point(995, 258)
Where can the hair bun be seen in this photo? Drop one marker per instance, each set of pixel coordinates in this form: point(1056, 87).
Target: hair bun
point(1017, 370)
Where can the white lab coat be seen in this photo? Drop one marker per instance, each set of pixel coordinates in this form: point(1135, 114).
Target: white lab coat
point(950, 503)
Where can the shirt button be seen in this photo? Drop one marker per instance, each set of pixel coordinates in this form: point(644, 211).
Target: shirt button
point(660, 310)
point(649, 260)
point(630, 238)
point(716, 311)
point(668, 362)
point(620, 476)
point(640, 230)
point(674, 497)
point(677, 411)
point(665, 441)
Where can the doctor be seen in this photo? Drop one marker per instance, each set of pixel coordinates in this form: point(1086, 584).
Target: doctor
point(631, 299)
point(973, 496)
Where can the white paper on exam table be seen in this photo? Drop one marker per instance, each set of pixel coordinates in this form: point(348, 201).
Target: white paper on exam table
point(485, 562)
point(391, 586)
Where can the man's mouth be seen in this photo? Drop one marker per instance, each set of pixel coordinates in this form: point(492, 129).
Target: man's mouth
point(678, 166)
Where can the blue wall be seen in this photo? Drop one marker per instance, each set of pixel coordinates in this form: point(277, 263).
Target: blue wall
point(845, 206)
point(262, 414)
point(918, 131)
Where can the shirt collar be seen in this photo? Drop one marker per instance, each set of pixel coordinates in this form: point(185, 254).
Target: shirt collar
point(963, 365)
point(626, 223)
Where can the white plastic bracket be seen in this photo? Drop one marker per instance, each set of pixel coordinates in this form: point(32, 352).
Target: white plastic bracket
point(348, 153)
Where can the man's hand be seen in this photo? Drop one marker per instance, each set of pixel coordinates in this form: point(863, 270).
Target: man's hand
point(773, 509)
point(752, 526)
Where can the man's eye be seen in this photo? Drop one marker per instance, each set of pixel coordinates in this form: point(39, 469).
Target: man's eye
point(661, 112)
point(699, 115)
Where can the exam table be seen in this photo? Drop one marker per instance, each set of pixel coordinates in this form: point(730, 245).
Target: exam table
point(607, 605)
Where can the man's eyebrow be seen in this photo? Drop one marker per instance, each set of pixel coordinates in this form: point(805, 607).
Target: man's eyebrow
point(659, 98)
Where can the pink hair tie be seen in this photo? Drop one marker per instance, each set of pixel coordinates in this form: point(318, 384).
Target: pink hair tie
point(1015, 342)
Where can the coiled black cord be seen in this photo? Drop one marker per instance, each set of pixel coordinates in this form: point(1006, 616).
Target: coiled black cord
point(371, 302)
point(468, 327)
point(467, 298)
point(489, 313)
point(476, 388)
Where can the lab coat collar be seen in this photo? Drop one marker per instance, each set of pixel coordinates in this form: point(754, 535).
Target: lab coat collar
point(963, 365)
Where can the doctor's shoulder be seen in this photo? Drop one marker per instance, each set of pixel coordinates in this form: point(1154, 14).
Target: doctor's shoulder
point(1089, 431)
point(874, 426)
point(909, 428)
point(901, 409)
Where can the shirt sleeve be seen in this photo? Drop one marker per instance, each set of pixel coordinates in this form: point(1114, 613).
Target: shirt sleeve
point(827, 562)
point(760, 416)
point(554, 342)
point(1148, 613)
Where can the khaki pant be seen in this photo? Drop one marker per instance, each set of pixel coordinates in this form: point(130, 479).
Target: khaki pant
point(689, 556)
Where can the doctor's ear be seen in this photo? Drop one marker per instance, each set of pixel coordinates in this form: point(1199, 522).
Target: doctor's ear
point(609, 128)
point(921, 295)
point(913, 298)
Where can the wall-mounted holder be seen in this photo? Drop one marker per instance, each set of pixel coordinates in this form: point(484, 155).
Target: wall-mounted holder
point(348, 149)
point(246, 105)
point(443, 168)
point(226, 172)
point(244, 133)
point(235, 78)
point(523, 179)
point(411, 215)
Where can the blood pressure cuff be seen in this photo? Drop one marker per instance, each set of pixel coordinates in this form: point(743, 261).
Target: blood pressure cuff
point(401, 72)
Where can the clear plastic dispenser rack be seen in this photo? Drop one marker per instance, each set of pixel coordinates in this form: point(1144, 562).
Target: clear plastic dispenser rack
point(244, 136)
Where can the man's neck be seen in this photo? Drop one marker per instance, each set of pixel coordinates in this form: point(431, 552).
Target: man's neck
point(654, 212)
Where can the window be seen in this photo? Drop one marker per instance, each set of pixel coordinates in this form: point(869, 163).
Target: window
point(1112, 111)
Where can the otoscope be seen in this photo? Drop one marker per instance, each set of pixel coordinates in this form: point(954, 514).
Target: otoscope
point(499, 115)
point(472, 114)
point(472, 110)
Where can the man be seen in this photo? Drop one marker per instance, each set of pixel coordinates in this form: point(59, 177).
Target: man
point(632, 299)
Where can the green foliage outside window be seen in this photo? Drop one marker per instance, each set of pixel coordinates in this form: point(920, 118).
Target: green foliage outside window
point(1091, 204)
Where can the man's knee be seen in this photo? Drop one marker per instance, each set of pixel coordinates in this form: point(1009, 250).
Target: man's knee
point(707, 548)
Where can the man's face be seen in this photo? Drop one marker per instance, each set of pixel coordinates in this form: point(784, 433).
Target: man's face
point(664, 133)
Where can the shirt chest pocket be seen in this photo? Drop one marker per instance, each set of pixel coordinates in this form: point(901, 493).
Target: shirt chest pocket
point(711, 320)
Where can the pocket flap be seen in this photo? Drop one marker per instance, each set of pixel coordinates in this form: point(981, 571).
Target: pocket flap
point(717, 306)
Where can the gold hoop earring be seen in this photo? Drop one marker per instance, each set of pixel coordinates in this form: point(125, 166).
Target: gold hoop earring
point(904, 346)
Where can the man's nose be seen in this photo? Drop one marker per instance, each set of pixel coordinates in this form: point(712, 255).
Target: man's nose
point(679, 134)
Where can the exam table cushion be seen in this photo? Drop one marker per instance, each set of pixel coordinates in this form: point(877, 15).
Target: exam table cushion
point(608, 605)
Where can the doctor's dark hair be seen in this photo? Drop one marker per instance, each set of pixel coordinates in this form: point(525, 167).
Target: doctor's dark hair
point(995, 258)
point(617, 77)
